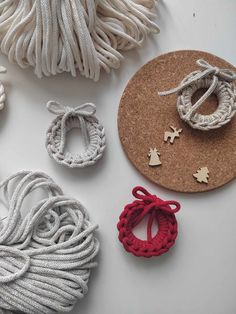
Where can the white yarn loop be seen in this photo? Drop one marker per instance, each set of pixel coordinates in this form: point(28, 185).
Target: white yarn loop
point(4, 252)
point(85, 35)
point(45, 255)
point(84, 110)
point(92, 131)
point(2, 89)
point(214, 80)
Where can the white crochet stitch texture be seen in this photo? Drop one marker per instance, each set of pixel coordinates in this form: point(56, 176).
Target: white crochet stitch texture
point(216, 81)
point(54, 36)
point(92, 131)
point(46, 255)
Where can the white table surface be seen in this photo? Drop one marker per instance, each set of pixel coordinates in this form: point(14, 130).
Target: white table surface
point(198, 276)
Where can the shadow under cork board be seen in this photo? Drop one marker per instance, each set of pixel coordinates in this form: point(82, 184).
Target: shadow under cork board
point(144, 116)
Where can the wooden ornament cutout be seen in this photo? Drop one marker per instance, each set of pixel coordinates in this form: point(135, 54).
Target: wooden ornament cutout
point(154, 157)
point(171, 136)
point(144, 116)
point(202, 175)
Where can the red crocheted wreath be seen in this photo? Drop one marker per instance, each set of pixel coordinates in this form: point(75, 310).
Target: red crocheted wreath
point(157, 209)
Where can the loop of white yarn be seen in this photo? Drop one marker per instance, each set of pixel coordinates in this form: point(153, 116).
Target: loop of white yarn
point(86, 35)
point(2, 90)
point(46, 255)
point(214, 80)
point(92, 131)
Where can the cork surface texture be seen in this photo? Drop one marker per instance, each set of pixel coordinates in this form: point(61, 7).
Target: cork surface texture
point(144, 117)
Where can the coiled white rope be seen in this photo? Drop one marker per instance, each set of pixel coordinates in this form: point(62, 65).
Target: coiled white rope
point(92, 131)
point(85, 35)
point(215, 80)
point(46, 255)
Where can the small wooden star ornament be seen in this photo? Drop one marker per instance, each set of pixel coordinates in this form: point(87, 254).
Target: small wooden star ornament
point(202, 175)
point(171, 136)
point(154, 157)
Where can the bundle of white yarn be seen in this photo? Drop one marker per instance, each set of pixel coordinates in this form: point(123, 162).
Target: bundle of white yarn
point(45, 255)
point(85, 35)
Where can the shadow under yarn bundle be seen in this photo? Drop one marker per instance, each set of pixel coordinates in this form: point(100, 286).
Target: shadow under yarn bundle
point(46, 255)
point(54, 36)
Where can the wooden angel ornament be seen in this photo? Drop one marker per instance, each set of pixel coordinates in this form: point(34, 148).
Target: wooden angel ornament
point(154, 157)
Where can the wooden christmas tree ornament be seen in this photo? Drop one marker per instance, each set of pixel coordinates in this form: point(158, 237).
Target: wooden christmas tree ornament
point(202, 175)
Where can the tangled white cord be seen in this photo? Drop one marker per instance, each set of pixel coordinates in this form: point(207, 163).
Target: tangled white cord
point(46, 255)
point(56, 35)
point(93, 133)
point(215, 80)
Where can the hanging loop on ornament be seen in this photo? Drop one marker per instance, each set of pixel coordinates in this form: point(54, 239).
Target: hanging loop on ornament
point(216, 81)
point(84, 110)
point(154, 202)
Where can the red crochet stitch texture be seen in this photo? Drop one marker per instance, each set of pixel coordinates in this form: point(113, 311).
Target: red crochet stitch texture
point(157, 209)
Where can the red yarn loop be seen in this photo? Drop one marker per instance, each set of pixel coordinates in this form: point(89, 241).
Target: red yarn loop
point(155, 201)
point(159, 211)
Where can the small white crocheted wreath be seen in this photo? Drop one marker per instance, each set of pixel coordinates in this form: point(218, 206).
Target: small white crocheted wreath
point(92, 131)
point(215, 80)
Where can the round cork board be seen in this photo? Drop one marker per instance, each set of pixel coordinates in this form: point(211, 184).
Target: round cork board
point(144, 117)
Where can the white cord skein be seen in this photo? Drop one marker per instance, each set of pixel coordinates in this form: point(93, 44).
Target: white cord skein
point(54, 36)
point(46, 255)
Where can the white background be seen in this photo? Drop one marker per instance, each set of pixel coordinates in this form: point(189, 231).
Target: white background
point(198, 276)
